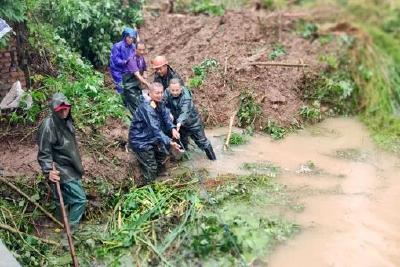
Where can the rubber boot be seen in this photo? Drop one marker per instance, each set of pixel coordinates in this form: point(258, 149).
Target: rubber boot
point(210, 153)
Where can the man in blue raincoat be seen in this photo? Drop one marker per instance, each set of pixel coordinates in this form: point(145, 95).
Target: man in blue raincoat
point(146, 136)
point(121, 52)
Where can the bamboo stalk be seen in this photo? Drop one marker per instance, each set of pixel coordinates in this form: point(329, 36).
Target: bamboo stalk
point(15, 231)
point(32, 201)
point(282, 64)
point(231, 120)
point(66, 224)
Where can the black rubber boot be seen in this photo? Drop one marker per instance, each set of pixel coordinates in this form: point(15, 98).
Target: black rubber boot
point(210, 153)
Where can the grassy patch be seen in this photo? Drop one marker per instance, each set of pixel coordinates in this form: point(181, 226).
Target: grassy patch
point(169, 224)
point(238, 139)
point(274, 130)
point(249, 109)
point(278, 51)
point(200, 72)
point(208, 7)
point(311, 113)
point(307, 30)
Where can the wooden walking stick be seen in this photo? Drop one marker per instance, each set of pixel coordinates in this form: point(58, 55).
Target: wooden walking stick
point(66, 224)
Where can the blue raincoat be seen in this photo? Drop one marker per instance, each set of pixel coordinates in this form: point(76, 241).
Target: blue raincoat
point(121, 52)
point(147, 126)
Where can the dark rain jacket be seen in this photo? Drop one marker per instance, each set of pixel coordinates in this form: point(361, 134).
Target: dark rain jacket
point(147, 126)
point(182, 108)
point(164, 80)
point(57, 143)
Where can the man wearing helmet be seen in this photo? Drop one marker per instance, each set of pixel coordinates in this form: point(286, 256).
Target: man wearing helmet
point(163, 72)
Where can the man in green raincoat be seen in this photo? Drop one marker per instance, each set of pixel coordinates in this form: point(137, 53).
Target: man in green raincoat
point(58, 148)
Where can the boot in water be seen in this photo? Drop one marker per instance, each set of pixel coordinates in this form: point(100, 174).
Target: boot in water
point(210, 153)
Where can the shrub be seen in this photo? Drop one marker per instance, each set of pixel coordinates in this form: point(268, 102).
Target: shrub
point(249, 110)
point(278, 51)
point(90, 26)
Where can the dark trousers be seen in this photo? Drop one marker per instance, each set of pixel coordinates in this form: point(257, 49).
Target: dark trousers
point(151, 162)
point(132, 94)
point(197, 134)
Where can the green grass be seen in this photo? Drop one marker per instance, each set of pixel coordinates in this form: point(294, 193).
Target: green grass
point(200, 72)
point(249, 109)
point(278, 51)
point(238, 139)
point(274, 130)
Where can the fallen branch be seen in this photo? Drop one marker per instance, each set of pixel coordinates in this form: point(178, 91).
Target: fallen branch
point(15, 231)
point(33, 202)
point(278, 64)
point(231, 120)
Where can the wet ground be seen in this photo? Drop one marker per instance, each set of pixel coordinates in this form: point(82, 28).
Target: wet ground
point(350, 191)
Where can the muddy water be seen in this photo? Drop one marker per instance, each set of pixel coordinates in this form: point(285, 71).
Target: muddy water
point(351, 215)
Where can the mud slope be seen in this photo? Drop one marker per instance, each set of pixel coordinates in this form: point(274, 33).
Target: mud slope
point(236, 39)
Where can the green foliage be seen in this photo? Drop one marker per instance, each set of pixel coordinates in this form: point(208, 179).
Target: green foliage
point(84, 87)
point(272, 128)
point(13, 10)
point(237, 139)
point(215, 237)
point(391, 24)
point(307, 30)
point(206, 7)
point(249, 109)
point(311, 113)
point(29, 115)
point(278, 51)
point(90, 27)
point(330, 60)
point(334, 89)
point(200, 72)
point(324, 39)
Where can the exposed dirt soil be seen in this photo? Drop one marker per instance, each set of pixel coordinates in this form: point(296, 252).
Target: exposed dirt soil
point(234, 40)
point(103, 154)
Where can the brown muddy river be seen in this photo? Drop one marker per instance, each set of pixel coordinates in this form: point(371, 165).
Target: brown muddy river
point(349, 188)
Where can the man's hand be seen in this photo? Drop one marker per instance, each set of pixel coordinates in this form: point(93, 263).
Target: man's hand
point(175, 146)
point(54, 176)
point(175, 134)
point(178, 126)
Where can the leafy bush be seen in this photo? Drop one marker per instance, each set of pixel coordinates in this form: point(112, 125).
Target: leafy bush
point(82, 85)
point(249, 110)
point(206, 7)
point(330, 60)
point(307, 30)
point(237, 139)
point(90, 26)
point(200, 72)
point(311, 113)
point(13, 10)
point(278, 51)
point(273, 129)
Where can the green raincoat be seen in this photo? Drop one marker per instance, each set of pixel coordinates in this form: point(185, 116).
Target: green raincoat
point(57, 143)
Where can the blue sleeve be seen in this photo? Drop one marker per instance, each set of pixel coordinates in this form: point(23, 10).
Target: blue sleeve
point(116, 56)
point(155, 125)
